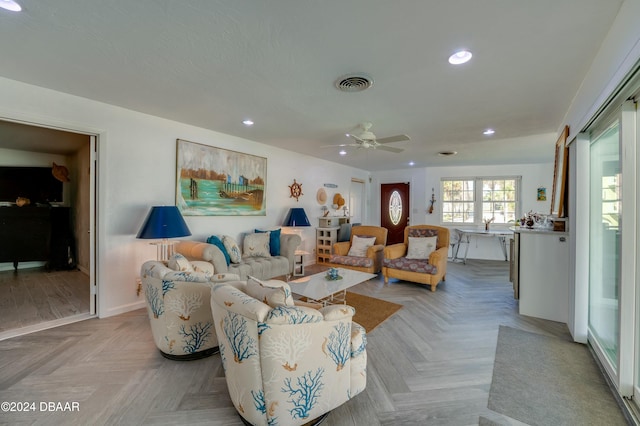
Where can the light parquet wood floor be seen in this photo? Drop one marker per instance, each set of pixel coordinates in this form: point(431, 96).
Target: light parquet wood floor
point(429, 364)
point(33, 296)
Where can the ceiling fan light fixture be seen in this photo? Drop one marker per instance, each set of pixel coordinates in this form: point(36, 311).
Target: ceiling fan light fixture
point(460, 57)
point(447, 153)
point(10, 5)
point(354, 82)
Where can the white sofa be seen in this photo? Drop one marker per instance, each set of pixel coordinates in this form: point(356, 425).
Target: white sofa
point(286, 364)
point(260, 267)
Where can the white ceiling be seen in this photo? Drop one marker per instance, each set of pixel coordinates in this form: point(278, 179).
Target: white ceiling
point(213, 63)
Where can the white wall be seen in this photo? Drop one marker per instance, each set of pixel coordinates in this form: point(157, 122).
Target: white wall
point(136, 169)
point(424, 179)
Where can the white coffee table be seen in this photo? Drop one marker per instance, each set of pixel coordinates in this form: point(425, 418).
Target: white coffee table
point(317, 288)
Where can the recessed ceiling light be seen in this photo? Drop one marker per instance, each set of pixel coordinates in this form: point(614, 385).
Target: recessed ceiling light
point(460, 57)
point(411, 163)
point(10, 5)
point(247, 123)
point(342, 152)
point(488, 132)
point(447, 153)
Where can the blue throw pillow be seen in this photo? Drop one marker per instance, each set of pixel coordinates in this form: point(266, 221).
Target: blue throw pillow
point(218, 243)
point(274, 241)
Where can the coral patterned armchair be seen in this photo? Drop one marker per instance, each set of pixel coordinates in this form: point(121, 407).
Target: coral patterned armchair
point(179, 308)
point(418, 259)
point(286, 364)
point(363, 252)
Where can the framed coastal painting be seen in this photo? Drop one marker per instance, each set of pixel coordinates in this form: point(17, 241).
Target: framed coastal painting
point(213, 181)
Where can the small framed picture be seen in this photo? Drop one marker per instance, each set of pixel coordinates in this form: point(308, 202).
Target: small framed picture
point(542, 194)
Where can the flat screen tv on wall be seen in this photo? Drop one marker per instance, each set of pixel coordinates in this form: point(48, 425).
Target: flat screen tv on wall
point(35, 183)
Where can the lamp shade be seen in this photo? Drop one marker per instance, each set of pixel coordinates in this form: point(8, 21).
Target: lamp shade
point(163, 222)
point(296, 217)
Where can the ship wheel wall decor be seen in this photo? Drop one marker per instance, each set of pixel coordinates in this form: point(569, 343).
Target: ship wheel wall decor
point(296, 190)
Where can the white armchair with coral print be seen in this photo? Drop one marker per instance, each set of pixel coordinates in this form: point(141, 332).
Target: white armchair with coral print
point(178, 303)
point(286, 364)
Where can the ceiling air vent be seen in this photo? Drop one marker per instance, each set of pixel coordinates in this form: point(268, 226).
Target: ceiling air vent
point(354, 83)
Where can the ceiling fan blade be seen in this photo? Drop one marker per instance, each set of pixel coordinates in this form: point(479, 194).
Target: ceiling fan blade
point(357, 138)
point(396, 138)
point(388, 148)
point(342, 144)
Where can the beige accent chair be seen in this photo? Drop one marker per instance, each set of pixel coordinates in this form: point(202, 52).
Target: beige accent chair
point(371, 262)
point(429, 272)
point(286, 364)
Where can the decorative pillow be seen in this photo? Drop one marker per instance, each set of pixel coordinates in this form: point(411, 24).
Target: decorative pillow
point(272, 292)
point(360, 244)
point(203, 266)
point(274, 241)
point(232, 248)
point(421, 247)
point(178, 262)
point(216, 241)
point(257, 245)
point(423, 232)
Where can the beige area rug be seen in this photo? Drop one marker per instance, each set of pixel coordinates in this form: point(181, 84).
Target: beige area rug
point(370, 312)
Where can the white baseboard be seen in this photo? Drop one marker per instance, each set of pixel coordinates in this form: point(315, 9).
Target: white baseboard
point(123, 309)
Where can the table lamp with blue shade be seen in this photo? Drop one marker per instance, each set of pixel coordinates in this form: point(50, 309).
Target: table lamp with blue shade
point(163, 222)
point(296, 217)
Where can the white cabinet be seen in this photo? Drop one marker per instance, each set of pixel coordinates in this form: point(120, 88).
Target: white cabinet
point(543, 274)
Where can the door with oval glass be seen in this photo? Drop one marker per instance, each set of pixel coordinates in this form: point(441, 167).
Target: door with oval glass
point(394, 214)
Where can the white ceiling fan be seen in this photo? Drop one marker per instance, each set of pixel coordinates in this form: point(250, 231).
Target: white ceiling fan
point(364, 138)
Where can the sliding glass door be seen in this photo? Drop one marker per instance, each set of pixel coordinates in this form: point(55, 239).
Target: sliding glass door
point(604, 241)
point(613, 246)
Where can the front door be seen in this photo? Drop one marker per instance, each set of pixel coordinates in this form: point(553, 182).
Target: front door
point(394, 214)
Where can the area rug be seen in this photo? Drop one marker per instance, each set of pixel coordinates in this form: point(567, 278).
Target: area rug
point(541, 380)
point(370, 312)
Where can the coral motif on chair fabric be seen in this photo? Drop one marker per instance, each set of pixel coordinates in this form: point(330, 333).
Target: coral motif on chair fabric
point(287, 365)
point(179, 309)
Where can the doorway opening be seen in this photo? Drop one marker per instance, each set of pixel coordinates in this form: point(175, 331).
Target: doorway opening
point(56, 284)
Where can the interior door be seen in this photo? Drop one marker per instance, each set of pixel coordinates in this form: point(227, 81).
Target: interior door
point(394, 210)
point(356, 201)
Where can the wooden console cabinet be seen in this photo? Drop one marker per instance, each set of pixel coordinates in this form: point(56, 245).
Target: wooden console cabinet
point(33, 233)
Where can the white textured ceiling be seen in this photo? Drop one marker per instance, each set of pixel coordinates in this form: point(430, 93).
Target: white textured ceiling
point(213, 63)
